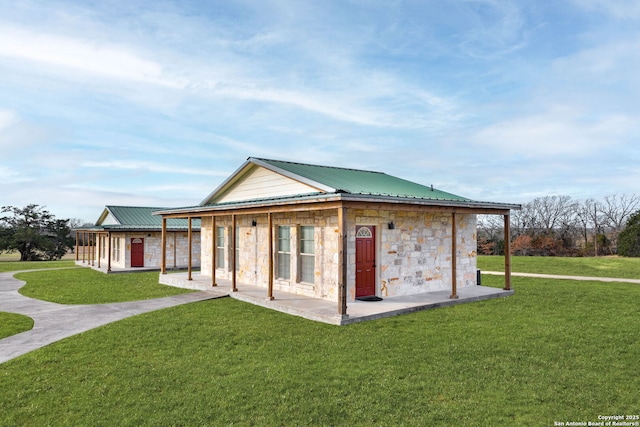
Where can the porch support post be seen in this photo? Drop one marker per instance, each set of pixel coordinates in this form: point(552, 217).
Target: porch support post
point(84, 245)
point(77, 254)
point(507, 252)
point(163, 261)
point(213, 251)
point(342, 262)
point(271, 231)
point(190, 239)
point(454, 264)
point(99, 238)
point(234, 234)
point(109, 252)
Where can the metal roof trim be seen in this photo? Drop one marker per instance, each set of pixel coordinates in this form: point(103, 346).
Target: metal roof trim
point(327, 197)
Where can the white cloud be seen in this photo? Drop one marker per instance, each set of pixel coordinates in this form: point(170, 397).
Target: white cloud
point(558, 131)
point(7, 119)
point(150, 167)
point(621, 9)
point(608, 63)
point(9, 175)
point(95, 58)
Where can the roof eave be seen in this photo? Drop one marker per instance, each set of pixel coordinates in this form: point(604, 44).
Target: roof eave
point(492, 206)
point(431, 202)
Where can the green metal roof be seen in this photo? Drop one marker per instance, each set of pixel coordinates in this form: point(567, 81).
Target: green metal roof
point(355, 181)
point(141, 217)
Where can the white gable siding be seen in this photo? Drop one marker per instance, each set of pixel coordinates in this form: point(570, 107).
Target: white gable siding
point(263, 183)
point(109, 220)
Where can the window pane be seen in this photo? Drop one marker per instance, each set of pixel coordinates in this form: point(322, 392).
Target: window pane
point(284, 255)
point(237, 248)
point(284, 242)
point(307, 245)
point(307, 259)
point(219, 247)
point(220, 237)
point(307, 267)
point(284, 265)
point(220, 258)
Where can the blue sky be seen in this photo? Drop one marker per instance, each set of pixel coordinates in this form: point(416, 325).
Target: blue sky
point(155, 103)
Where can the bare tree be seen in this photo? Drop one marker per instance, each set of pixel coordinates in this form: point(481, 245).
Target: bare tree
point(550, 224)
point(616, 211)
point(552, 213)
point(590, 219)
point(521, 220)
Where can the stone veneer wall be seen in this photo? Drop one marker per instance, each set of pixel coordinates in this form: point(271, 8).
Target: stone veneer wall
point(253, 265)
point(177, 249)
point(415, 257)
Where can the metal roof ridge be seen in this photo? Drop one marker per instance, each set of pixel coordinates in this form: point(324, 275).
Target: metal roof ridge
point(317, 165)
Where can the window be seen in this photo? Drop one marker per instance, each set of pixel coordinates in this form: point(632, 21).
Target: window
point(219, 247)
point(364, 232)
point(237, 248)
point(307, 254)
point(284, 253)
point(116, 249)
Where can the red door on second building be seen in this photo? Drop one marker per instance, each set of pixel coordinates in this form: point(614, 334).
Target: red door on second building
point(365, 261)
point(137, 252)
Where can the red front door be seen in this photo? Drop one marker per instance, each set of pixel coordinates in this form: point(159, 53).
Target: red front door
point(365, 260)
point(137, 252)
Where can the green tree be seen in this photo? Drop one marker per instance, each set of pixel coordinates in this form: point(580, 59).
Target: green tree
point(33, 232)
point(60, 240)
point(629, 238)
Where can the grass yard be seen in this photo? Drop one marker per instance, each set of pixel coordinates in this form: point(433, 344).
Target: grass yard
point(627, 268)
point(12, 323)
point(87, 286)
point(6, 266)
point(554, 351)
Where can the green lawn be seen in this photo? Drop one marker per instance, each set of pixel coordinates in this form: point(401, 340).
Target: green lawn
point(12, 323)
point(554, 351)
point(86, 286)
point(6, 266)
point(628, 268)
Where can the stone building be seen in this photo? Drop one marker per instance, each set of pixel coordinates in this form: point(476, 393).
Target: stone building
point(130, 237)
point(335, 233)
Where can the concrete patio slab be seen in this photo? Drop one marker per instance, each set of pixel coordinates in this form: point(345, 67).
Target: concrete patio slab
point(103, 268)
point(327, 311)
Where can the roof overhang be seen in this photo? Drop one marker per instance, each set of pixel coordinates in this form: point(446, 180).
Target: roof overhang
point(328, 201)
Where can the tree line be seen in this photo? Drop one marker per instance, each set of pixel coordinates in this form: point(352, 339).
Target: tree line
point(35, 233)
point(562, 226)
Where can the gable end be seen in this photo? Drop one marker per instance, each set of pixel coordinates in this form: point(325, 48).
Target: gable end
point(261, 183)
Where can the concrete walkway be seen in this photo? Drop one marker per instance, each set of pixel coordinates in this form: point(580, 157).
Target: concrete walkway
point(555, 276)
point(53, 322)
